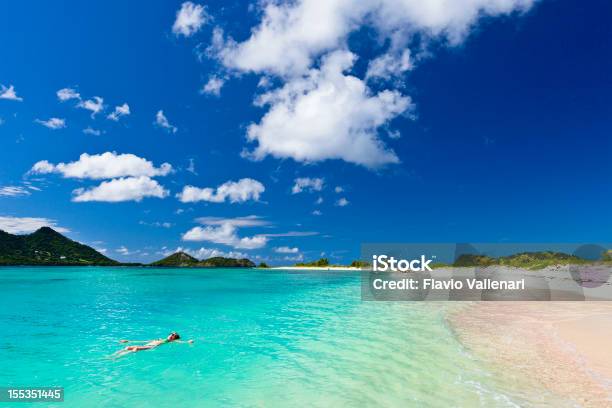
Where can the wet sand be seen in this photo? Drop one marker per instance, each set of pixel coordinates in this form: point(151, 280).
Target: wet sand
point(562, 348)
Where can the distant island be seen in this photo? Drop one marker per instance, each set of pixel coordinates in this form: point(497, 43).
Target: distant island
point(48, 247)
point(184, 260)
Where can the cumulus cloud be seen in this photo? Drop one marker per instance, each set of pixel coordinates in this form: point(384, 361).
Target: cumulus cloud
point(390, 64)
point(342, 202)
point(327, 115)
point(248, 221)
point(205, 253)
point(103, 166)
point(66, 94)
point(91, 131)
point(162, 121)
point(235, 191)
point(121, 189)
point(158, 224)
point(338, 189)
point(292, 34)
point(213, 86)
point(225, 231)
point(307, 184)
point(291, 234)
point(317, 212)
point(9, 93)
point(52, 123)
point(95, 105)
point(14, 191)
point(26, 225)
point(322, 110)
point(286, 250)
point(189, 19)
point(121, 110)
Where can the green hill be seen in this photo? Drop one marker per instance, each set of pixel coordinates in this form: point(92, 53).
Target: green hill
point(177, 259)
point(221, 262)
point(181, 259)
point(47, 247)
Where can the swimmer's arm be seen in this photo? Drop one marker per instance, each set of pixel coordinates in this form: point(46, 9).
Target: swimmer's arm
point(134, 341)
point(184, 342)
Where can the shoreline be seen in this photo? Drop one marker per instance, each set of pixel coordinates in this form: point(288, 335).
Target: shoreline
point(316, 268)
point(560, 347)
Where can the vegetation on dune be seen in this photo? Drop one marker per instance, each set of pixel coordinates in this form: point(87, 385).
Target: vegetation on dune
point(526, 260)
point(47, 247)
point(320, 263)
point(263, 265)
point(360, 264)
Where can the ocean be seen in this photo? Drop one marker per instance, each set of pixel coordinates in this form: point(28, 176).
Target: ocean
point(262, 338)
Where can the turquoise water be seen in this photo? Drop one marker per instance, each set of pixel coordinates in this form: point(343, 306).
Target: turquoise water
point(262, 338)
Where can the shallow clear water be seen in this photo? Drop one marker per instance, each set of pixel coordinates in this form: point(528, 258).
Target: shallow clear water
point(262, 338)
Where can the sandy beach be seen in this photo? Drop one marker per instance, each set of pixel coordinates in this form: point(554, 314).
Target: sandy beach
point(560, 347)
point(317, 268)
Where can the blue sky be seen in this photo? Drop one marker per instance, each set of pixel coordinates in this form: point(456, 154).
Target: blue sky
point(325, 127)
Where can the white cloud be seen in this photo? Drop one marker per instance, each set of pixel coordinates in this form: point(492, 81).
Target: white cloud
point(390, 64)
point(124, 251)
point(248, 221)
point(306, 183)
point(338, 189)
point(319, 201)
point(95, 105)
point(162, 121)
point(213, 86)
point(52, 123)
point(65, 94)
point(13, 191)
point(235, 191)
point(9, 93)
point(293, 34)
point(322, 110)
point(317, 212)
point(205, 253)
point(226, 234)
point(91, 131)
point(103, 166)
point(291, 234)
point(394, 134)
point(191, 168)
point(121, 189)
point(343, 202)
point(295, 258)
point(121, 110)
point(159, 224)
point(25, 225)
point(327, 115)
point(189, 19)
point(286, 250)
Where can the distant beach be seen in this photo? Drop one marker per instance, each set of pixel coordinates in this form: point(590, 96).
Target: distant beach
point(318, 268)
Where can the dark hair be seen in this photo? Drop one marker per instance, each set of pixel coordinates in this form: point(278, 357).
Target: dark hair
point(176, 335)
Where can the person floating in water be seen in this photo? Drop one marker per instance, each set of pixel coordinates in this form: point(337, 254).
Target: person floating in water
point(149, 344)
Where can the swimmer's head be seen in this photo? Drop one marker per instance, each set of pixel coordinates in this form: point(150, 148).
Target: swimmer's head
point(173, 336)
